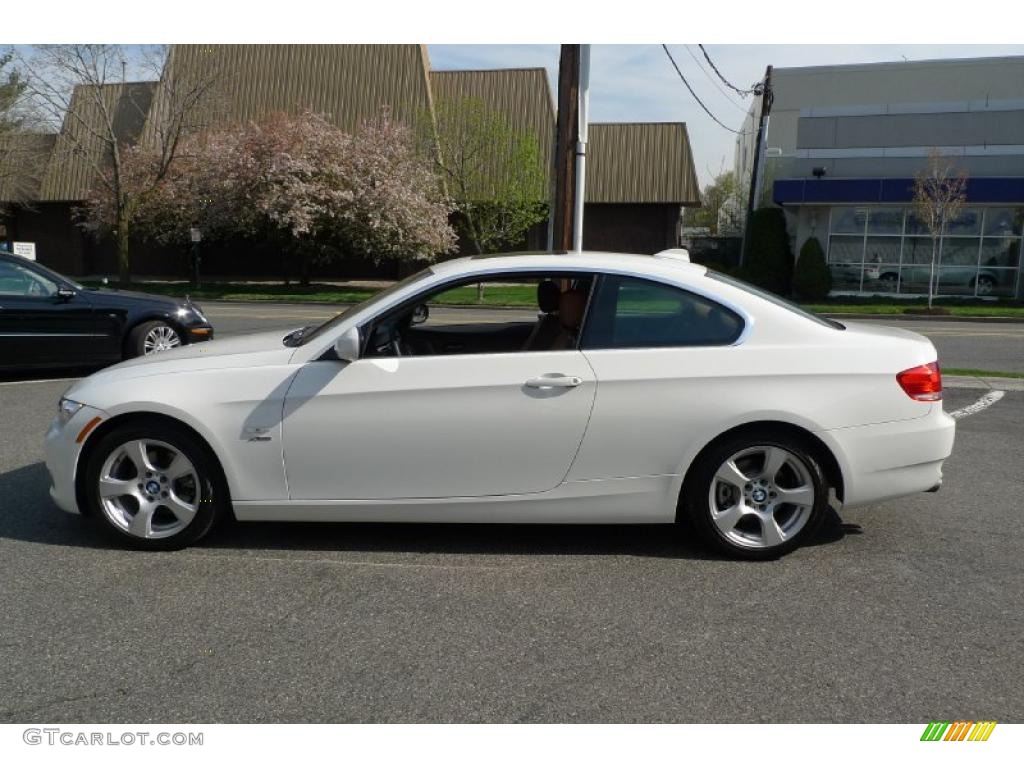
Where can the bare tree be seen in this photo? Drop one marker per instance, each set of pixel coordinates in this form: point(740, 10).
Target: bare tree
point(107, 100)
point(23, 149)
point(940, 191)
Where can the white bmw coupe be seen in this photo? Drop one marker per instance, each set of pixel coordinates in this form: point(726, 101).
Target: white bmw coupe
point(639, 389)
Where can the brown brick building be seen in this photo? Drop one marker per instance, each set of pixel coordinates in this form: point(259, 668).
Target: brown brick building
point(640, 176)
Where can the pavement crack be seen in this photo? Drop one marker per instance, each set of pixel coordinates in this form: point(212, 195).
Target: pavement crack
point(10, 713)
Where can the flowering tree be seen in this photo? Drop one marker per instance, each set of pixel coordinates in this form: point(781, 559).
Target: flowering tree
point(940, 191)
point(315, 189)
point(104, 113)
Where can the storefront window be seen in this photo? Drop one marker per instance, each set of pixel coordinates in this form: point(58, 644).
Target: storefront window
point(849, 220)
point(885, 221)
point(1003, 221)
point(888, 250)
point(961, 251)
point(967, 223)
point(915, 226)
point(1000, 252)
point(917, 250)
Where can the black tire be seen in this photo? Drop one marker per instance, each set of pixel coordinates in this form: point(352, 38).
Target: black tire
point(696, 502)
point(211, 493)
point(135, 344)
point(984, 285)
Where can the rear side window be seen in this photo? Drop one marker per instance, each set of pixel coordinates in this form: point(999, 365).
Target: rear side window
point(628, 313)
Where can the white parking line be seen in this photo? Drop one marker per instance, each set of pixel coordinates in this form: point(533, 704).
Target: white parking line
point(981, 404)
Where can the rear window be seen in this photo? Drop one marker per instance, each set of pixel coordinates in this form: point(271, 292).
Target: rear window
point(629, 313)
point(775, 299)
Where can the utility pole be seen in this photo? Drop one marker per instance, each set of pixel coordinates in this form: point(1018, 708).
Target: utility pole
point(758, 159)
point(566, 136)
point(582, 116)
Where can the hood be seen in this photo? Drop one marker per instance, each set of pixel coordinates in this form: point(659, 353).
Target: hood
point(248, 351)
point(110, 296)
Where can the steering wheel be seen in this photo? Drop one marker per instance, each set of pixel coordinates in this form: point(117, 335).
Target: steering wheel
point(34, 288)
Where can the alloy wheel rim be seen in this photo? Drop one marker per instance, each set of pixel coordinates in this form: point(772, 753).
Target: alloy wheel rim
point(159, 339)
point(149, 489)
point(761, 497)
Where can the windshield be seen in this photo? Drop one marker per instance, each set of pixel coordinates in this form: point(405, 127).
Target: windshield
point(55, 277)
point(775, 299)
point(298, 338)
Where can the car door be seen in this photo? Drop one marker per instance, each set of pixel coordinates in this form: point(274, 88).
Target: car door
point(39, 327)
point(666, 361)
point(436, 425)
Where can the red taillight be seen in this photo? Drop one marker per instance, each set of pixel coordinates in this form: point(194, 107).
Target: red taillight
point(922, 383)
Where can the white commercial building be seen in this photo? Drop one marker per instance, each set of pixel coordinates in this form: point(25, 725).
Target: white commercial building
point(843, 144)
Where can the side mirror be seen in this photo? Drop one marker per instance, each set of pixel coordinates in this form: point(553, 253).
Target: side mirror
point(347, 346)
point(420, 314)
point(65, 294)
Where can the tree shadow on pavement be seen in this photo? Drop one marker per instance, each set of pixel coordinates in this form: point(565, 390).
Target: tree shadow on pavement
point(28, 514)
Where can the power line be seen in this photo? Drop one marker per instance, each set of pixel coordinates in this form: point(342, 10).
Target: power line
point(696, 97)
point(755, 91)
point(714, 82)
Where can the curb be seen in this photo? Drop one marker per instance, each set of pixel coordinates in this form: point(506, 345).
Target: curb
point(924, 318)
point(975, 382)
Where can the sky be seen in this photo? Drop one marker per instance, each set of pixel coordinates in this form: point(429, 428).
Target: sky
point(636, 83)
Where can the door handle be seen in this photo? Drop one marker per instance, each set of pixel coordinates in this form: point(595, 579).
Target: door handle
point(554, 380)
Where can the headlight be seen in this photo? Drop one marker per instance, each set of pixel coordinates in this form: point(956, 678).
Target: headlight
point(66, 409)
point(194, 311)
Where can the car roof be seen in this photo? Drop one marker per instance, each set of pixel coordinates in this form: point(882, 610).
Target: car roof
point(600, 261)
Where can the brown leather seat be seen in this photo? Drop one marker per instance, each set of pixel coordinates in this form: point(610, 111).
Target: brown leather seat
point(571, 306)
point(547, 328)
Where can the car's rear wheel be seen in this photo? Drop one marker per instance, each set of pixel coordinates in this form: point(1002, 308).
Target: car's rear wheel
point(154, 486)
point(985, 285)
point(756, 496)
point(152, 337)
point(890, 280)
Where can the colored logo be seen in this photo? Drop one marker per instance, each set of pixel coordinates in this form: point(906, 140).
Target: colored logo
point(959, 731)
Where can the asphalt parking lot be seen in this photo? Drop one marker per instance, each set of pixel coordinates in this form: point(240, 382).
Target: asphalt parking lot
point(907, 611)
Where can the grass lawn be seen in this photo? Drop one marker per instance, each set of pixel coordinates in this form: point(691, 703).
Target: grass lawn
point(978, 309)
point(510, 296)
point(981, 373)
point(525, 296)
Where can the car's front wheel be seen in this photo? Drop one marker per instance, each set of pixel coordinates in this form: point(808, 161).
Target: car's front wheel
point(756, 496)
point(154, 486)
point(150, 338)
point(985, 285)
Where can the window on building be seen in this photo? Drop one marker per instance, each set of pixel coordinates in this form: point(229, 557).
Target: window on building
point(885, 249)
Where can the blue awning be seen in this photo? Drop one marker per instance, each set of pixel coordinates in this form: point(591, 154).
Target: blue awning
point(995, 189)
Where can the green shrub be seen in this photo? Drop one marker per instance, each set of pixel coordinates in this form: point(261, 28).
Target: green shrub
point(812, 280)
point(768, 258)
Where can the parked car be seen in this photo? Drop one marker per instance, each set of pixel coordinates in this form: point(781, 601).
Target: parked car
point(966, 277)
point(646, 390)
point(50, 321)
